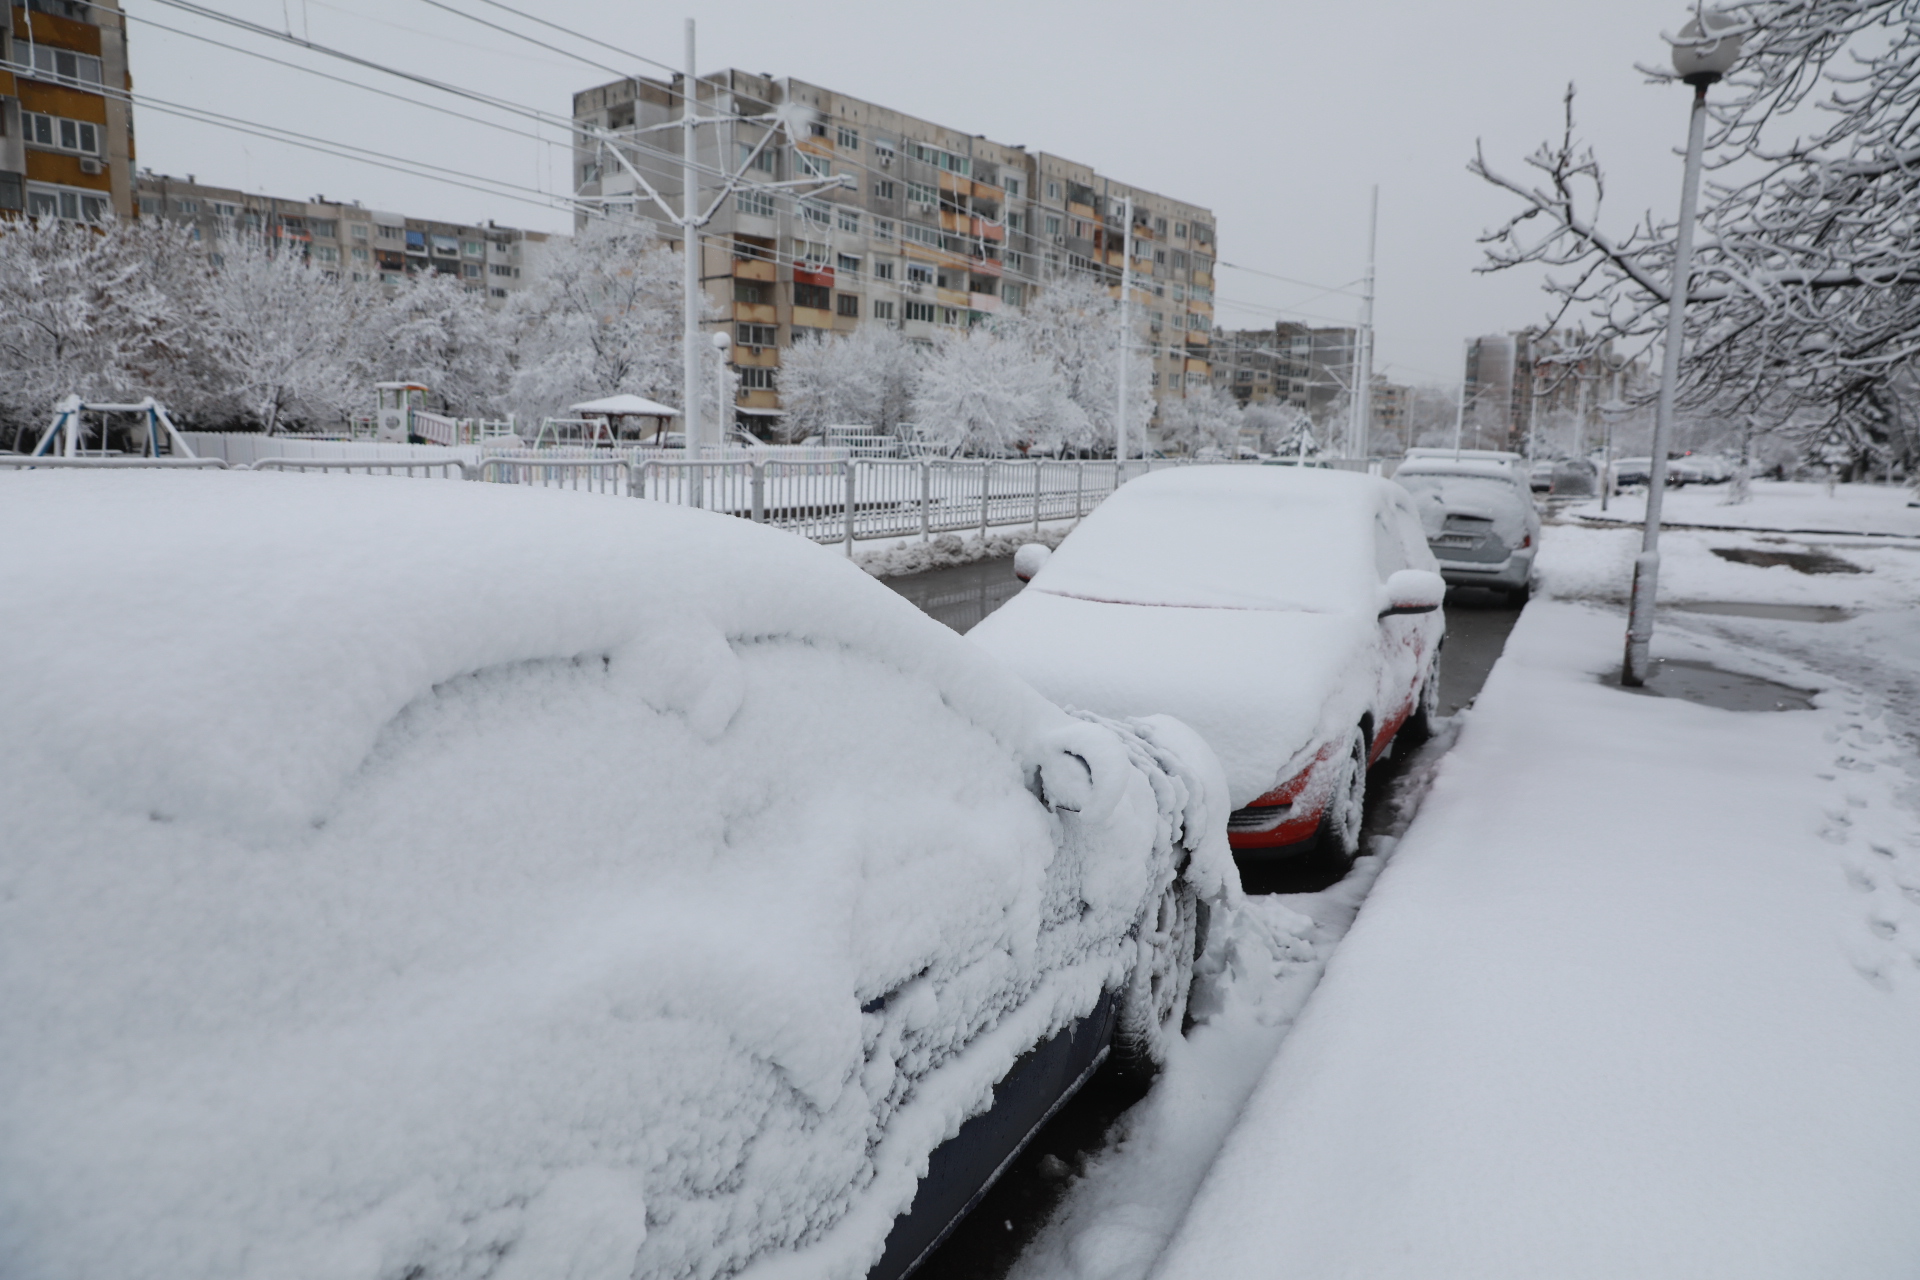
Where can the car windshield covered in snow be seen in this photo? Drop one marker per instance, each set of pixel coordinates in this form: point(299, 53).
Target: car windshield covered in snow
point(1219, 538)
point(1480, 490)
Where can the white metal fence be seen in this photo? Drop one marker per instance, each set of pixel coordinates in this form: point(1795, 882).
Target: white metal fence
point(836, 499)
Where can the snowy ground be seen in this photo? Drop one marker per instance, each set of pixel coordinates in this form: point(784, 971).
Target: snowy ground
point(1639, 993)
point(1849, 508)
point(897, 557)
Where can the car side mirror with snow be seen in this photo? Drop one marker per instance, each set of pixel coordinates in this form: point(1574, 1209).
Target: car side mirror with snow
point(1412, 591)
point(1028, 559)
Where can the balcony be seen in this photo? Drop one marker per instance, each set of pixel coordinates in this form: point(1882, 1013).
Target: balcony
point(755, 312)
point(984, 266)
point(983, 302)
point(953, 222)
point(812, 318)
point(953, 297)
point(818, 275)
point(989, 231)
point(753, 269)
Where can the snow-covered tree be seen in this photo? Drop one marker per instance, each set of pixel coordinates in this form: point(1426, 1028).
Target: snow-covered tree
point(1803, 309)
point(1203, 419)
point(986, 393)
point(865, 377)
point(603, 319)
point(108, 313)
point(281, 334)
point(1075, 325)
point(1279, 427)
point(435, 331)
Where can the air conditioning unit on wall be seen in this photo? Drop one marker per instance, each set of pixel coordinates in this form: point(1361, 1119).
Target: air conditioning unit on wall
point(91, 166)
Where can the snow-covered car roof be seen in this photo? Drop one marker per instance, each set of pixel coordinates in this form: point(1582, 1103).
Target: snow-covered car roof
point(420, 877)
point(1270, 588)
point(1465, 467)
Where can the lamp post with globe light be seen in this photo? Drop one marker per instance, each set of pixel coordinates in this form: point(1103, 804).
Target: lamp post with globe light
point(1703, 53)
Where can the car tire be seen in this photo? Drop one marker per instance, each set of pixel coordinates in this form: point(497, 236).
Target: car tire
point(1339, 833)
point(1153, 1007)
point(1517, 597)
point(1425, 717)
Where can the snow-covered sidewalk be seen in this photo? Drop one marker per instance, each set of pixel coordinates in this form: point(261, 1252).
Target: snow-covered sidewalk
point(1639, 994)
point(1776, 505)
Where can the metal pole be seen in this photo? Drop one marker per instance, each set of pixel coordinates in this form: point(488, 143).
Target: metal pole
point(759, 473)
point(690, 267)
point(1606, 443)
point(986, 479)
point(1126, 325)
point(1646, 566)
point(1036, 494)
point(851, 464)
point(926, 499)
point(1460, 414)
point(1362, 423)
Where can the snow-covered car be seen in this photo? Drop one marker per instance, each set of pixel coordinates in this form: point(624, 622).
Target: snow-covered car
point(1699, 468)
point(1289, 615)
point(1540, 476)
point(424, 878)
point(1628, 472)
point(1480, 521)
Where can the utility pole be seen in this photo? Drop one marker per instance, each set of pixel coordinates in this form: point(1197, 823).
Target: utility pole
point(1460, 414)
point(1126, 333)
point(690, 260)
point(1362, 421)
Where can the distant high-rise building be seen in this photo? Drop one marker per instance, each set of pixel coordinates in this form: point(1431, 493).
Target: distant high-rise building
point(66, 127)
point(937, 229)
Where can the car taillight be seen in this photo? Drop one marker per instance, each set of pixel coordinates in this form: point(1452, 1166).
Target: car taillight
point(1526, 542)
point(1289, 791)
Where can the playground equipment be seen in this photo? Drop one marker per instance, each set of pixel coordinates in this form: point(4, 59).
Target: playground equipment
point(65, 436)
point(395, 405)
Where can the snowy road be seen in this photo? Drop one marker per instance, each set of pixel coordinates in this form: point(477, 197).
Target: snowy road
point(1107, 1180)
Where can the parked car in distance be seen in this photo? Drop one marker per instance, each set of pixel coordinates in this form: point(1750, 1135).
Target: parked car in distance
point(1628, 472)
point(1290, 615)
point(1540, 476)
point(1479, 519)
point(598, 887)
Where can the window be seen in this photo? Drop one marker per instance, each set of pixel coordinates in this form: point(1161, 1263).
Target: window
point(882, 309)
point(761, 160)
point(1202, 233)
point(949, 315)
point(67, 66)
point(918, 274)
point(1199, 322)
point(326, 253)
point(1202, 263)
point(882, 270)
point(758, 203)
point(225, 210)
point(186, 206)
point(1179, 320)
point(755, 378)
point(807, 333)
point(471, 270)
point(1160, 257)
point(920, 311)
point(1015, 222)
point(359, 229)
point(810, 255)
point(1179, 293)
point(1053, 225)
point(1013, 187)
point(416, 242)
point(359, 254)
point(847, 265)
point(754, 335)
point(589, 173)
point(848, 304)
point(1053, 191)
point(66, 203)
point(1160, 226)
point(848, 138)
point(929, 236)
point(807, 166)
point(818, 128)
point(883, 189)
point(1180, 230)
point(848, 220)
point(389, 233)
point(325, 228)
point(472, 248)
point(495, 268)
point(817, 296)
point(751, 292)
point(446, 246)
point(496, 293)
point(924, 153)
point(148, 205)
point(1179, 260)
point(815, 212)
point(390, 277)
point(882, 229)
point(1013, 294)
point(884, 150)
point(60, 133)
point(921, 193)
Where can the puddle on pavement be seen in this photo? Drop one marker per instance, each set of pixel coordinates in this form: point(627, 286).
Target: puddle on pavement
point(1771, 612)
point(1799, 561)
point(1710, 686)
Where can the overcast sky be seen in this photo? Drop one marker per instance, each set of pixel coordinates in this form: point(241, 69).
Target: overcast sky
point(1279, 117)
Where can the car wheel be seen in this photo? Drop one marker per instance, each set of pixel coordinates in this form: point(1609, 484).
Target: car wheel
point(1153, 1008)
point(1339, 834)
point(1426, 710)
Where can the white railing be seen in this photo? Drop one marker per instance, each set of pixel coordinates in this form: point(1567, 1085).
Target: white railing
point(837, 499)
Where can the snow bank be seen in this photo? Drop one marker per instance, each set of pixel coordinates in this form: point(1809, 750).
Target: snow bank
point(469, 880)
point(945, 550)
point(1639, 995)
point(1850, 508)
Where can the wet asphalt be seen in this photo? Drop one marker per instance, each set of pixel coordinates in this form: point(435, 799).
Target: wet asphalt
point(986, 1245)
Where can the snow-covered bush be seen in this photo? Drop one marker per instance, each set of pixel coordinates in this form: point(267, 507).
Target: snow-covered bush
point(987, 393)
point(1208, 418)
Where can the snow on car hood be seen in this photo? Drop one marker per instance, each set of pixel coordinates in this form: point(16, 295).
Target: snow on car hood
point(419, 877)
point(1259, 685)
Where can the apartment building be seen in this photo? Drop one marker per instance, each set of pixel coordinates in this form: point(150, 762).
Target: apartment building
point(66, 128)
point(1309, 368)
point(916, 226)
point(359, 244)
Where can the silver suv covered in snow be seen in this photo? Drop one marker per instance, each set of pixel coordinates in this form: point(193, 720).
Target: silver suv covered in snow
point(1479, 519)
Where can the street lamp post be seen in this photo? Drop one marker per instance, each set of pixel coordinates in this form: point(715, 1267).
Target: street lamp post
point(722, 428)
point(1702, 58)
